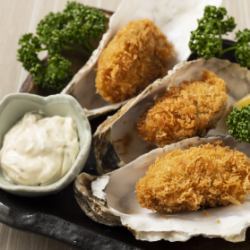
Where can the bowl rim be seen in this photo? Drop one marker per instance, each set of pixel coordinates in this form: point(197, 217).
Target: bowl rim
point(25, 190)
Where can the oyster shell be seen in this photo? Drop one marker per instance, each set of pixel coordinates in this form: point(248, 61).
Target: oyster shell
point(82, 86)
point(110, 199)
point(117, 141)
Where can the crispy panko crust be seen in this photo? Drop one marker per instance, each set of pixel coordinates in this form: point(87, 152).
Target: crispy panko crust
point(184, 111)
point(187, 180)
point(137, 55)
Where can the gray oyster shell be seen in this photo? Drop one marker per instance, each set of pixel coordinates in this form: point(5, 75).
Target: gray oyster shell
point(116, 140)
point(110, 199)
point(167, 14)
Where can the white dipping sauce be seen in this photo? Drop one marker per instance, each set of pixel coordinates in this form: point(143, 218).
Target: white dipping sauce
point(39, 150)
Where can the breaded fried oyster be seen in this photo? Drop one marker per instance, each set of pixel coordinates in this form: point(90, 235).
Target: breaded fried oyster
point(137, 55)
point(209, 175)
point(184, 111)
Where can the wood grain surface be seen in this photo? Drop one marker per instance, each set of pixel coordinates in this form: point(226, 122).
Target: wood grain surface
point(21, 16)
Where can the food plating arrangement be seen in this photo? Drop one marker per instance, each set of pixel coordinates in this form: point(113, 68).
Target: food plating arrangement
point(143, 113)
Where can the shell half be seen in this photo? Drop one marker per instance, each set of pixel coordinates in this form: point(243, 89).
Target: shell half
point(167, 14)
point(110, 199)
point(117, 141)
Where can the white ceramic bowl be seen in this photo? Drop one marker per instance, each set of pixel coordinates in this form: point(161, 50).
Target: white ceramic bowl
point(12, 109)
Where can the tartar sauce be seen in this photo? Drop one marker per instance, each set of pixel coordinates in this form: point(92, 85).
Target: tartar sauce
point(39, 150)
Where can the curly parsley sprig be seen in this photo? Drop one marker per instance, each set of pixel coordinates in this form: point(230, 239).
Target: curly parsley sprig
point(242, 48)
point(77, 28)
point(238, 123)
point(206, 41)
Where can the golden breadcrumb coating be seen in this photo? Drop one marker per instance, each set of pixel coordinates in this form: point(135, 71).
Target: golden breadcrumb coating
point(184, 111)
point(137, 55)
point(187, 180)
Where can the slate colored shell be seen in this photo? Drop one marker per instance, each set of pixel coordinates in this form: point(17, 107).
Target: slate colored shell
point(110, 199)
point(117, 141)
point(82, 86)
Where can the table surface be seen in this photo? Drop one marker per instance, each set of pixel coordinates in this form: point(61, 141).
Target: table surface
point(21, 16)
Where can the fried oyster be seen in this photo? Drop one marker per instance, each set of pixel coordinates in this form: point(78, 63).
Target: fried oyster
point(189, 179)
point(137, 55)
point(184, 111)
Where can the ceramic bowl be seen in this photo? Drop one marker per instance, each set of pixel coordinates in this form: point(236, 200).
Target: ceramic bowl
point(12, 109)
